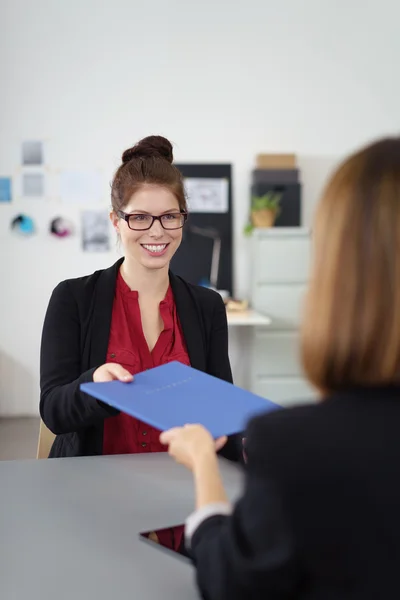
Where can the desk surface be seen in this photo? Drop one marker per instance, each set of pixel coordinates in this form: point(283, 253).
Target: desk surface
point(247, 317)
point(69, 527)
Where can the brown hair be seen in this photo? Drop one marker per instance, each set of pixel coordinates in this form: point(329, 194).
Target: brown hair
point(148, 162)
point(351, 327)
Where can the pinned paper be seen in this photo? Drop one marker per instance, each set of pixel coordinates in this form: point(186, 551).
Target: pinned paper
point(80, 187)
point(207, 195)
point(60, 227)
point(23, 225)
point(33, 185)
point(32, 153)
point(95, 231)
point(5, 189)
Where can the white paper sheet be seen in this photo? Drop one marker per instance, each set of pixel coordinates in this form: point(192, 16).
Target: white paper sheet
point(207, 195)
point(33, 185)
point(32, 153)
point(80, 187)
point(95, 231)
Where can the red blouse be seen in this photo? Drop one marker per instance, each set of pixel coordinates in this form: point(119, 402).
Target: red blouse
point(128, 347)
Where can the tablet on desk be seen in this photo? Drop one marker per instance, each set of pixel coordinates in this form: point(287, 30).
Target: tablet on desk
point(174, 394)
point(169, 539)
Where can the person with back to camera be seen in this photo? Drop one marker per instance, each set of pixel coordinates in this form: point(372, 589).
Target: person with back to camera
point(319, 517)
point(130, 317)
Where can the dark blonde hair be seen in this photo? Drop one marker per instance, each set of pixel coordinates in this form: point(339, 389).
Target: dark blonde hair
point(147, 162)
point(351, 326)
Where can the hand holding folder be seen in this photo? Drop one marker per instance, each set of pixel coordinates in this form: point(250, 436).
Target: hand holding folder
point(111, 372)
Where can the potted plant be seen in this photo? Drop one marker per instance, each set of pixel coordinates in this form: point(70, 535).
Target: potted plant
point(264, 210)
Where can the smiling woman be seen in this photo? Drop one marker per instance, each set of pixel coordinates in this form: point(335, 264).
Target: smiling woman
point(130, 317)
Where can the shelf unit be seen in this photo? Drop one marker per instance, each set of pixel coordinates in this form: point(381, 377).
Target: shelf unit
point(280, 265)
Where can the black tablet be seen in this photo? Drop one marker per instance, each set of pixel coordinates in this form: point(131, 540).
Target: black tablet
point(168, 539)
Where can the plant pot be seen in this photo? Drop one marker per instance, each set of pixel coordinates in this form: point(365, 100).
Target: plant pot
point(263, 218)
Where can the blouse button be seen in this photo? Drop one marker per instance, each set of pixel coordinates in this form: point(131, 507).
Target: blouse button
point(144, 432)
point(144, 444)
point(112, 355)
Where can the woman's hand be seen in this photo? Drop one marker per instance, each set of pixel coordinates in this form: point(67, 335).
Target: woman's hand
point(191, 444)
point(112, 372)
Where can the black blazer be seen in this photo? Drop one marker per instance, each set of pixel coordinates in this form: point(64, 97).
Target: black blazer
point(320, 514)
point(75, 341)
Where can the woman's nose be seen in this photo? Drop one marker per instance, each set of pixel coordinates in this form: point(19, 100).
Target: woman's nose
point(156, 230)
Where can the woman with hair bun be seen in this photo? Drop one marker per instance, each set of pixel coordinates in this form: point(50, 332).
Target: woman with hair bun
point(133, 316)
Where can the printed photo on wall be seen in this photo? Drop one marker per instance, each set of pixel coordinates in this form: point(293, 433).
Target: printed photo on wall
point(95, 231)
point(207, 195)
point(33, 185)
point(32, 153)
point(5, 189)
point(61, 227)
point(23, 225)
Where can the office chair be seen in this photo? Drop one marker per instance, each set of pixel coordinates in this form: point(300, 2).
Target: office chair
point(46, 439)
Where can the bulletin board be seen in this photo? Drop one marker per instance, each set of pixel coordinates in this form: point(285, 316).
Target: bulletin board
point(205, 255)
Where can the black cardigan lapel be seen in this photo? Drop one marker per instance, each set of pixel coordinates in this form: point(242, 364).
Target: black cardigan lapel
point(191, 322)
point(102, 313)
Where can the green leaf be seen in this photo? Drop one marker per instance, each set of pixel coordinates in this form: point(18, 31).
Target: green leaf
point(270, 200)
point(248, 229)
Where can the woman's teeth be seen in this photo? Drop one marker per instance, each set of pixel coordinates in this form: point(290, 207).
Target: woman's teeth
point(155, 247)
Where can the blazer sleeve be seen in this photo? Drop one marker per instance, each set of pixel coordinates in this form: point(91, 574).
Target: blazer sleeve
point(218, 364)
point(249, 554)
point(63, 407)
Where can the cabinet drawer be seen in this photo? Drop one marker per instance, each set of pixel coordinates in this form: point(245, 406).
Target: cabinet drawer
point(283, 303)
point(281, 260)
point(276, 353)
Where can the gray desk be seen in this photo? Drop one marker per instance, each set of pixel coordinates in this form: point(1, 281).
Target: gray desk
point(70, 527)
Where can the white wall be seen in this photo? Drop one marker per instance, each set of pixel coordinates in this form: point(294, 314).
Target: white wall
point(224, 80)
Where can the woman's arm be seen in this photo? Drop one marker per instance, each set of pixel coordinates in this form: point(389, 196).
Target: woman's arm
point(249, 554)
point(63, 407)
point(218, 364)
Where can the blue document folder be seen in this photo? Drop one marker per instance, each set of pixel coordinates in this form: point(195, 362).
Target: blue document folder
point(174, 394)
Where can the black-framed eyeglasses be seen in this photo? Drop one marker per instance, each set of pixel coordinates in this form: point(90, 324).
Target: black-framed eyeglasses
point(143, 221)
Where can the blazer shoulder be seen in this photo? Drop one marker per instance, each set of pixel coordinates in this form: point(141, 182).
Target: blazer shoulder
point(74, 288)
point(85, 285)
point(283, 430)
point(207, 297)
point(84, 280)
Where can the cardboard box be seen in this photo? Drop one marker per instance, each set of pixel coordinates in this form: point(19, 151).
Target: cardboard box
point(276, 161)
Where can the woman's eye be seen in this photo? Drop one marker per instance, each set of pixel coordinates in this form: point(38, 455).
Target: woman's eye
point(171, 216)
point(139, 217)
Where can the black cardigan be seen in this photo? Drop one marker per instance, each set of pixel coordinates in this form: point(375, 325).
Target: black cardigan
point(75, 341)
point(320, 515)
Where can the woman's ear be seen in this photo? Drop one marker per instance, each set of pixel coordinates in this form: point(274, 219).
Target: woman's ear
point(114, 220)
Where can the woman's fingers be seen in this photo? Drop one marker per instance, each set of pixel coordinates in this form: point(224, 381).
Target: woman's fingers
point(167, 437)
point(111, 372)
point(220, 443)
point(120, 373)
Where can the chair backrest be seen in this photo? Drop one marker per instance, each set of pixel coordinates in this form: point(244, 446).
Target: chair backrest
point(46, 439)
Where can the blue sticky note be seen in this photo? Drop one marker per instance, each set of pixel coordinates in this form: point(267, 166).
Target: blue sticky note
point(5, 189)
point(174, 394)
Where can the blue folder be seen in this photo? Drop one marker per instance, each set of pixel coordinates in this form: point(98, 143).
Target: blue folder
point(174, 394)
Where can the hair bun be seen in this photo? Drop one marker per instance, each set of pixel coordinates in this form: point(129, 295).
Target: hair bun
point(148, 147)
